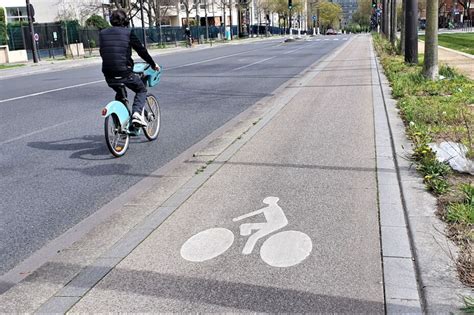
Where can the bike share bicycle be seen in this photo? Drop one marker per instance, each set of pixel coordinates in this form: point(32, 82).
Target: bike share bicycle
point(118, 125)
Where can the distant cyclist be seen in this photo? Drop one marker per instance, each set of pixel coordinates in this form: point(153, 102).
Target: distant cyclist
point(189, 38)
point(116, 45)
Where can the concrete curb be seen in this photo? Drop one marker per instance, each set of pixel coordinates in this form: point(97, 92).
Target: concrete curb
point(400, 281)
point(457, 52)
point(453, 51)
point(439, 287)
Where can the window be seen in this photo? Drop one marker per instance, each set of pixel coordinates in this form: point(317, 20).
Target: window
point(16, 14)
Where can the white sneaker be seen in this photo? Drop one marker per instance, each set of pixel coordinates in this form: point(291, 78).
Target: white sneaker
point(138, 119)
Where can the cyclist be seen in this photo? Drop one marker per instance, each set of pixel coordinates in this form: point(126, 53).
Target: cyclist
point(116, 45)
point(189, 38)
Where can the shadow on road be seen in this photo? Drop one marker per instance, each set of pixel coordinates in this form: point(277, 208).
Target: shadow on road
point(85, 148)
point(112, 169)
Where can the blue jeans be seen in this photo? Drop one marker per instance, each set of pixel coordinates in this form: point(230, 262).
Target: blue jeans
point(134, 83)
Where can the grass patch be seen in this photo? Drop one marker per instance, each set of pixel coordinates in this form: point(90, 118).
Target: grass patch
point(463, 42)
point(2, 67)
point(437, 111)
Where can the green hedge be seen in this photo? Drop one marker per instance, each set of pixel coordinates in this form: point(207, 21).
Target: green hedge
point(3, 27)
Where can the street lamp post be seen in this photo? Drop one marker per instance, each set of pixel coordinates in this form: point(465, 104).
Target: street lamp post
point(143, 23)
point(29, 11)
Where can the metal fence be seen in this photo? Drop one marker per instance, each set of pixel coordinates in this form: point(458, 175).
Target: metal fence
point(53, 37)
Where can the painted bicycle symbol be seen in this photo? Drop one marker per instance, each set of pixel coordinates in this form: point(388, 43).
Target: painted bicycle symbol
point(283, 249)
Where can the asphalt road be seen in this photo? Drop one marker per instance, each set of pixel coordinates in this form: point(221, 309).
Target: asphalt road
point(55, 169)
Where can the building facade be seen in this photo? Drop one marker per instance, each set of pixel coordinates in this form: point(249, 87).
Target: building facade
point(349, 7)
point(47, 11)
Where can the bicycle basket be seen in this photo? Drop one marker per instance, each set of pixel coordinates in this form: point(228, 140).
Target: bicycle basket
point(153, 77)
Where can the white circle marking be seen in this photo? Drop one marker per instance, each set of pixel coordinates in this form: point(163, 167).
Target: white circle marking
point(207, 244)
point(286, 249)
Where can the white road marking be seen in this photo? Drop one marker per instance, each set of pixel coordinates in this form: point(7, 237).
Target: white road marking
point(345, 38)
point(292, 51)
point(35, 132)
point(252, 64)
point(50, 91)
point(326, 39)
point(336, 38)
point(207, 244)
point(99, 81)
point(283, 249)
point(286, 249)
point(318, 40)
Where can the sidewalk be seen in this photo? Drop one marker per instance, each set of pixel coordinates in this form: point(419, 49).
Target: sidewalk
point(316, 157)
point(461, 61)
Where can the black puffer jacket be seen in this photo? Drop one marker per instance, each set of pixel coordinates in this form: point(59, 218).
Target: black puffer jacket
point(116, 45)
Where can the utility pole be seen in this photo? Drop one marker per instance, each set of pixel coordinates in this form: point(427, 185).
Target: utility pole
point(143, 23)
point(230, 13)
point(411, 32)
point(207, 22)
point(30, 11)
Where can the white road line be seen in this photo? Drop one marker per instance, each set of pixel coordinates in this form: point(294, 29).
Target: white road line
point(94, 82)
point(318, 40)
point(336, 39)
point(292, 51)
point(50, 91)
point(35, 132)
point(212, 59)
point(345, 38)
point(326, 39)
point(252, 64)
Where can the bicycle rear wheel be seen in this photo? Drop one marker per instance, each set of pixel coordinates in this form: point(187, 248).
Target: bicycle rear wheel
point(153, 117)
point(117, 141)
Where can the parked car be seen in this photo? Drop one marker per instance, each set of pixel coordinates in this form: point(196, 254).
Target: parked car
point(330, 31)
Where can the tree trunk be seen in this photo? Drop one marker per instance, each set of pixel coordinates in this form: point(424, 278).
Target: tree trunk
point(430, 67)
point(411, 32)
point(402, 32)
point(393, 23)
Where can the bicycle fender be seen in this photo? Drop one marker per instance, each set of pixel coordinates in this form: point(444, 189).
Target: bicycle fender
point(117, 108)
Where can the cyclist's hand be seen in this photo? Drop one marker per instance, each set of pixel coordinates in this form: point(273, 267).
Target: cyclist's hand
point(157, 68)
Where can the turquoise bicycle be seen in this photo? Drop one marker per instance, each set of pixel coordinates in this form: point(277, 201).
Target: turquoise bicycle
point(118, 118)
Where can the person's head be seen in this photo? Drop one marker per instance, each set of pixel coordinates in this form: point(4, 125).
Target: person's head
point(119, 18)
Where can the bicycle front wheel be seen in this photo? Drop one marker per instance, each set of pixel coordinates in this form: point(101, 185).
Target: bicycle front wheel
point(153, 117)
point(117, 141)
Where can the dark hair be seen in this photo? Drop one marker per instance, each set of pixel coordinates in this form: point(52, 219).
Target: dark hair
point(119, 18)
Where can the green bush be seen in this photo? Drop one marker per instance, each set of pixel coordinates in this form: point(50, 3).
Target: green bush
point(3, 27)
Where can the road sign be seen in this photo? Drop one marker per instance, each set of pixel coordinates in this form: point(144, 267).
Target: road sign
point(37, 37)
point(315, 17)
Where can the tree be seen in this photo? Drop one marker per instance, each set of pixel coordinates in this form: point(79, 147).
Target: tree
point(329, 14)
point(364, 13)
point(97, 22)
point(3, 27)
point(466, 4)
point(430, 66)
point(189, 6)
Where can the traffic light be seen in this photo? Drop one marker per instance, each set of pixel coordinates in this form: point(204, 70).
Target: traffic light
point(374, 3)
point(290, 4)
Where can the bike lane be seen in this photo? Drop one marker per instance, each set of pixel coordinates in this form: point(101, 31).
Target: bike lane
point(309, 172)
